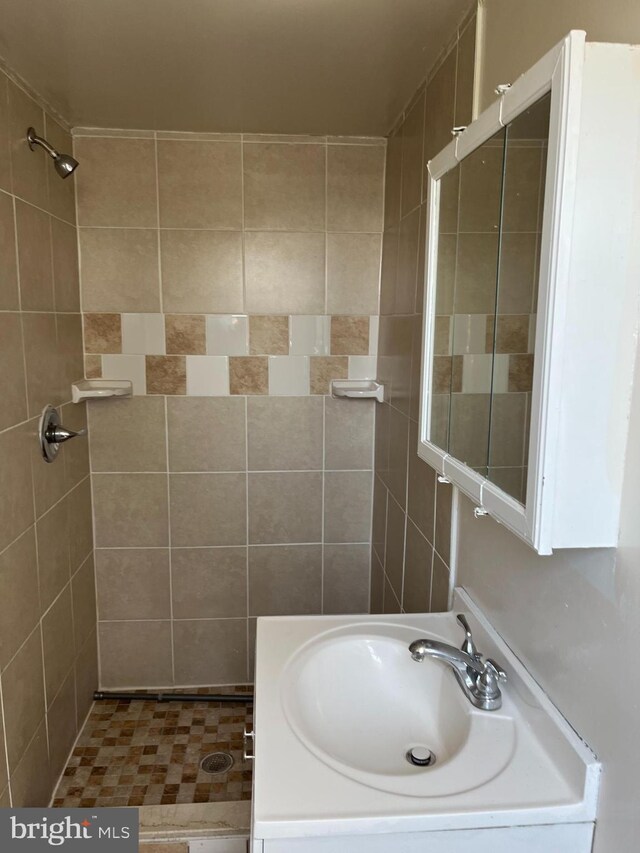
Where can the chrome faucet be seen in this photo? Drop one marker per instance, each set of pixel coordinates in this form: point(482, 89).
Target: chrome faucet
point(479, 679)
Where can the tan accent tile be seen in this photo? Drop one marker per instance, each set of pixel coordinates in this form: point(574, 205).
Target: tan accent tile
point(208, 509)
point(202, 272)
point(325, 368)
point(268, 335)
point(285, 579)
point(166, 374)
point(117, 183)
point(284, 433)
point(416, 592)
point(205, 194)
point(9, 298)
point(130, 510)
point(66, 282)
point(457, 366)
point(14, 404)
point(92, 366)
point(23, 692)
point(285, 507)
point(520, 372)
point(121, 668)
point(441, 382)
point(347, 506)
point(345, 587)
point(248, 375)
point(349, 335)
point(192, 644)
point(209, 582)
point(19, 606)
point(57, 644)
point(34, 258)
point(284, 187)
point(353, 273)
point(412, 158)
point(512, 334)
point(206, 434)
point(29, 168)
point(355, 176)
point(133, 583)
point(139, 424)
point(185, 334)
point(285, 273)
point(119, 269)
point(102, 333)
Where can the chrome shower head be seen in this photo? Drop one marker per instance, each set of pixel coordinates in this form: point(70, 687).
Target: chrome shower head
point(64, 164)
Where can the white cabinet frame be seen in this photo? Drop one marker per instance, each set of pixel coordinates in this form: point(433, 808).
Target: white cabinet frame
point(576, 451)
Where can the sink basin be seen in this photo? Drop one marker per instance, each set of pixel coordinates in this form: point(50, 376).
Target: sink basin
point(355, 698)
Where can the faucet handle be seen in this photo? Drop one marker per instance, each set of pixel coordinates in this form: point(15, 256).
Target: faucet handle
point(468, 646)
point(488, 683)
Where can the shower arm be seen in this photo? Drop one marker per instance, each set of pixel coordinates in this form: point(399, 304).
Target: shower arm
point(34, 139)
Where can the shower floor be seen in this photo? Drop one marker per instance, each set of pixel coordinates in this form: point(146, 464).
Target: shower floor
point(146, 753)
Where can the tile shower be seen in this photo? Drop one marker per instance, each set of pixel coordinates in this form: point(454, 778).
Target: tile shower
point(230, 277)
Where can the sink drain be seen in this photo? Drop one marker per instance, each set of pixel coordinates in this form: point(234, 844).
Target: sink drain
point(420, 756)
point(216, 762)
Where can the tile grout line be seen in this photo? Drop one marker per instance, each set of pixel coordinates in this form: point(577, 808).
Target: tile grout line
point(169, 539)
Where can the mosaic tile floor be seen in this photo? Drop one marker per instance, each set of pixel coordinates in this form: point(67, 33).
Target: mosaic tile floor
point(145, 753)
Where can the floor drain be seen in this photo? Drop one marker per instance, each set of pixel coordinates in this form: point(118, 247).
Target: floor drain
point(420, 756)
point(216, 762)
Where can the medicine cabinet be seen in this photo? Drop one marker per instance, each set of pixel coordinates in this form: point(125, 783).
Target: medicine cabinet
point(530, 298)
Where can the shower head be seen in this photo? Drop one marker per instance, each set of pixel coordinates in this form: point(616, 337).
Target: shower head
point(64, 164)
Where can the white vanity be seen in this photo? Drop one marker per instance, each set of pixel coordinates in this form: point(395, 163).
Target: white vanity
point(340, 703)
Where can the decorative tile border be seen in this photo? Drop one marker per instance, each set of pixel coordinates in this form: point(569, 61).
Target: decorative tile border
point(221, 354)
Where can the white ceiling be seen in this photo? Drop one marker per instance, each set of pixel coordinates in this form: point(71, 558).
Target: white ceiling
point(269, 66)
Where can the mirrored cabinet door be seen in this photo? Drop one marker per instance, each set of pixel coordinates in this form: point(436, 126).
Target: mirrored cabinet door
point(511, 331)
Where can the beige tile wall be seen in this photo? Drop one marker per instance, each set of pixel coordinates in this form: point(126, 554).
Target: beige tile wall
point(211, 511)
point(48, 661)
point(411, 510)
point(231, 278)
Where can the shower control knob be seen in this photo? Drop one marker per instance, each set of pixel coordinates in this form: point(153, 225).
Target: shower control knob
point(53, 434)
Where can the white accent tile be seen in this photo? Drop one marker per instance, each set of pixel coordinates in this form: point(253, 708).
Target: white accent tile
point(143, 334)
point(362, 366)
point(288, 376)
point(309, 334)
point(126, 367)
point(476, 374)
point(469, 334)
point(500, 374)
point(227, 334)
point(207, 376)
point(374, 330)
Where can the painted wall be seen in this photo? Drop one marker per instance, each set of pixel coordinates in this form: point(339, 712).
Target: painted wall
point(48, 666)
point(573, 617)
point(230, 277)
point(517, 33)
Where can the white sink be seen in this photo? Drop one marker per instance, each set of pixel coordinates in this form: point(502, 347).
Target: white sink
point(340, 701)
point(358, 701)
